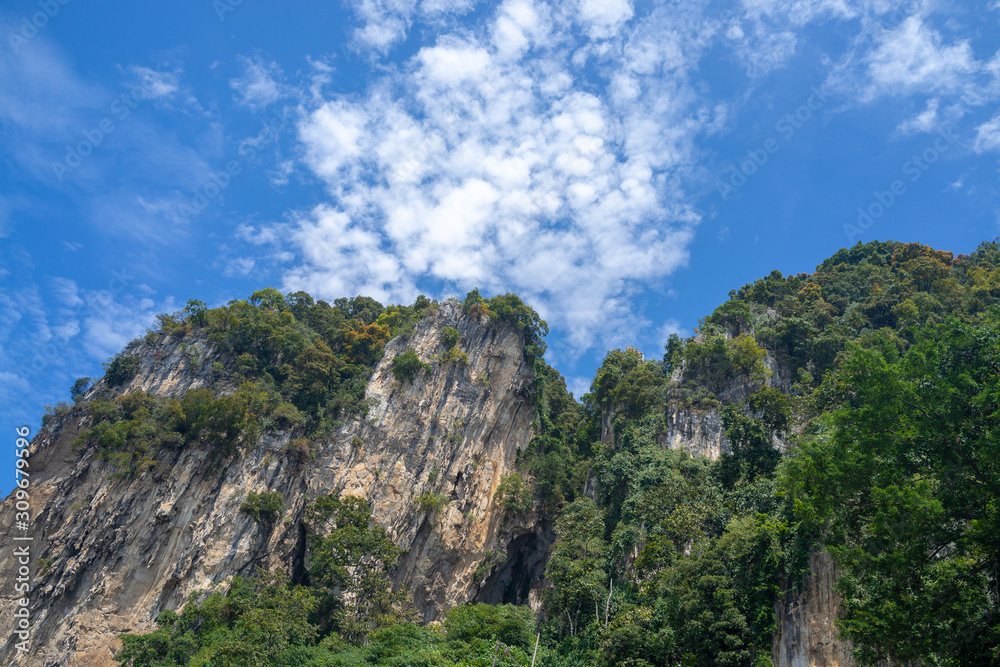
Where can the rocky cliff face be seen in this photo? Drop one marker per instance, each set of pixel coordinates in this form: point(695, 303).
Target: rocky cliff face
point(699, 431)
point(806, 635)
point(117, 551)
point(807, 631)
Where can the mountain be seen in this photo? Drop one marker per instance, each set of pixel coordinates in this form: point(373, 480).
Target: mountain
point(400, 464)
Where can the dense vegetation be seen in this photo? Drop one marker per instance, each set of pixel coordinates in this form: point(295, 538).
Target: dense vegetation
point(886, 388)
point(290, 363)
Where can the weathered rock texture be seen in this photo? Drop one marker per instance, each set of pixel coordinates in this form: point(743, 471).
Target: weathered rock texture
point(807, 631)
point(699, 431)
point(117, 551)
point(806, 635)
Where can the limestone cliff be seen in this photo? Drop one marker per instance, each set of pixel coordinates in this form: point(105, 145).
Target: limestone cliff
point(807, 631)
point(117, 551)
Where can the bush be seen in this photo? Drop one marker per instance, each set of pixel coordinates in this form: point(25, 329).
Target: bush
point(455, 355)
point(716, 360)
point(300, 450)
point(287, 415)
point(432, 503)
point(449, 337)
point(263, 507)
point(514, 495)
point(173, 324)
point(406, 366)
point(79, 388)
point(511, 624)
point(121, 369)
point(55, 412)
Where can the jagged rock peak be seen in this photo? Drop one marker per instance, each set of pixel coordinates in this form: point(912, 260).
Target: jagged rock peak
point(116, 550)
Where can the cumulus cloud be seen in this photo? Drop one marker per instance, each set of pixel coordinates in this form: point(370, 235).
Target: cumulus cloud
point(988, 135)
point(604, 18)
point(260, 84)
point(913, 57)
point(385, 23)
point(485, 162)
point(153, 83)
point(549, 148)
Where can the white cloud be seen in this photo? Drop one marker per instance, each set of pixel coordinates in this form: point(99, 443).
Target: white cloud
point(66, 292)
point(385, 23)
point(988, 135)
point(484, 162)
point(764, 35)
point(578, 386)
point(671, 326)
point(908, 52)
point(925, 121)
point(332, 136)
point(154, 84)
point(13, 388)
point(913, 58)
point(260, 84)
point(66, 330)
point(111, 321)
point(801, 12)
point(239, 267)
point(769, 51)
point(604, 18)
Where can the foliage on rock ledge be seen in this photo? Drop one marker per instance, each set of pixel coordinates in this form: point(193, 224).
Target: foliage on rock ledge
point(666, 559)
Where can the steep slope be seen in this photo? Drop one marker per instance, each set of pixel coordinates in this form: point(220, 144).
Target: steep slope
point(117, 551)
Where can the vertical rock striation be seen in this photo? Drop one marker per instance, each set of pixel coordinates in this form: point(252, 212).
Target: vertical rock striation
point(807, 633)
point(118, 551)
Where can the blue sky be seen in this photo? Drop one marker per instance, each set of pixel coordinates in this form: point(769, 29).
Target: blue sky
point(620, 165)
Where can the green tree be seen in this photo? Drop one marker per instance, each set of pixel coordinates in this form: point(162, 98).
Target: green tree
point(904, 483)
point(121, 369)
point(251, 625)
point(577, 567)
point(514, 495)
point(407, 365)
point(351, 556)
point(79, 388)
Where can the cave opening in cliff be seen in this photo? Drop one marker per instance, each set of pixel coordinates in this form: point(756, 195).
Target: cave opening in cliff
point(512, 581)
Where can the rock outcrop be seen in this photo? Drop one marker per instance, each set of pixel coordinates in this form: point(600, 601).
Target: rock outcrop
point(111, 553)
point(807, 631)
point(806, 634)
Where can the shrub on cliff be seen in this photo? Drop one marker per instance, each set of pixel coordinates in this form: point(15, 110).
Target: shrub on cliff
point(121, 369)
point(407, 365)
point(263, 507)
point(514, 495)
point(350, 560)
point(449, 337)
point(432, 503)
